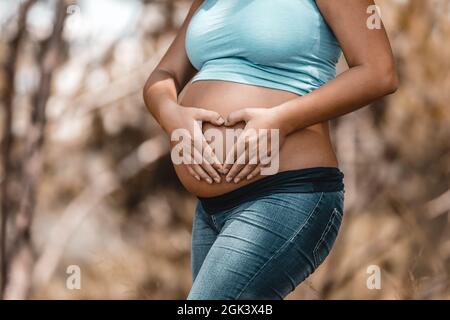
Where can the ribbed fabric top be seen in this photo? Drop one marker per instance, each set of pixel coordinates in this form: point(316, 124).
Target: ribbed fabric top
point(282, 44)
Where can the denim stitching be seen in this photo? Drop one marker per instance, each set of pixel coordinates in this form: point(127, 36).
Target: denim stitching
point(324, 234)
point(209, 221)
point(327, 228)
point(282, 247)
point(214, 222)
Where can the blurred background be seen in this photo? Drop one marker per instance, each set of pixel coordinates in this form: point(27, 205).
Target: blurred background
point(86, 179)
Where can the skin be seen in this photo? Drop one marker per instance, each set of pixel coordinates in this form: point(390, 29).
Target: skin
point(302, 120)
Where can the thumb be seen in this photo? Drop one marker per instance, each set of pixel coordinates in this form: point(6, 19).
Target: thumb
point(237, 116)
point(210, 116)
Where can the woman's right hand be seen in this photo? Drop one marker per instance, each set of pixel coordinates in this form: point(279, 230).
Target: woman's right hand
point(186, 123)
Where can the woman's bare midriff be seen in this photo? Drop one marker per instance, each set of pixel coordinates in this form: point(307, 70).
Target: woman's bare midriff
point(310, 147)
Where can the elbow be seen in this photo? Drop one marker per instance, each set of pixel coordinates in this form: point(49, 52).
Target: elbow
point(391, 82)
point(146, 89)
point(387, 79)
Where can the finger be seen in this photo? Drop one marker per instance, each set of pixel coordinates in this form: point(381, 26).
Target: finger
point(202, 173)
point(204, 148)
point(230, 159)
point(207, 159)
point(187, 161)
point(210, 116)
point(236, 168)
point(235, 153)
point(247, 167)
point(211, 172)
point(246, 170)
point(206, 166)
point(195, 169)
point(237, 116)
point(255, 172)
point(210, 156)
point(192, 172)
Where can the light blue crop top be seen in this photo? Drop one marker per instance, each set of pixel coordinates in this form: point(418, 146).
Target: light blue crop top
point(280, 44)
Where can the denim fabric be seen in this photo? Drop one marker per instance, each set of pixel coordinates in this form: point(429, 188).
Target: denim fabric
point(263, 248)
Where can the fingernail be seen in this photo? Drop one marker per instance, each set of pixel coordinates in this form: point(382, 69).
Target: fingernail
point(249, 177)
point(197, 177)
point(220, 121)
point(209, 181)
point(229, 179)
point(217, 179)
point(237, 180)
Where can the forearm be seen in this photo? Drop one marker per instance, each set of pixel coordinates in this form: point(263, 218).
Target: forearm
point(160, 95)
point(350, 91)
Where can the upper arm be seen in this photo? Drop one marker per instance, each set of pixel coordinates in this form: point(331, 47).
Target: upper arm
point(175, 61)
point(360, 44)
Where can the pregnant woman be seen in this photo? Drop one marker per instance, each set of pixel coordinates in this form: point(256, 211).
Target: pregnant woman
point(265, 66)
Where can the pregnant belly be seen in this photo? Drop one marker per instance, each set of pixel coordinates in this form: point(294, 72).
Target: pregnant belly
point(306, 148)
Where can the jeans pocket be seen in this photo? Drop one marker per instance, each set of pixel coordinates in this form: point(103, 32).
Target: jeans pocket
point(328, 237)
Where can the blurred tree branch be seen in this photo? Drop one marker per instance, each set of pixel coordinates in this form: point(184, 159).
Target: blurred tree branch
point(8, 138)
point(21, 257)
point(438, 206)
point(147, 154)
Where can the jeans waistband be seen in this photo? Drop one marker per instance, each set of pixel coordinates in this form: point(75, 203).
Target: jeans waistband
point(319, 179)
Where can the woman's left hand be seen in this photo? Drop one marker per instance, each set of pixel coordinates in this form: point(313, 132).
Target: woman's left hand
point(247, 156)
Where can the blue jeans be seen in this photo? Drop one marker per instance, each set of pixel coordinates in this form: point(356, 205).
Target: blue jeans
point(263, 248)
